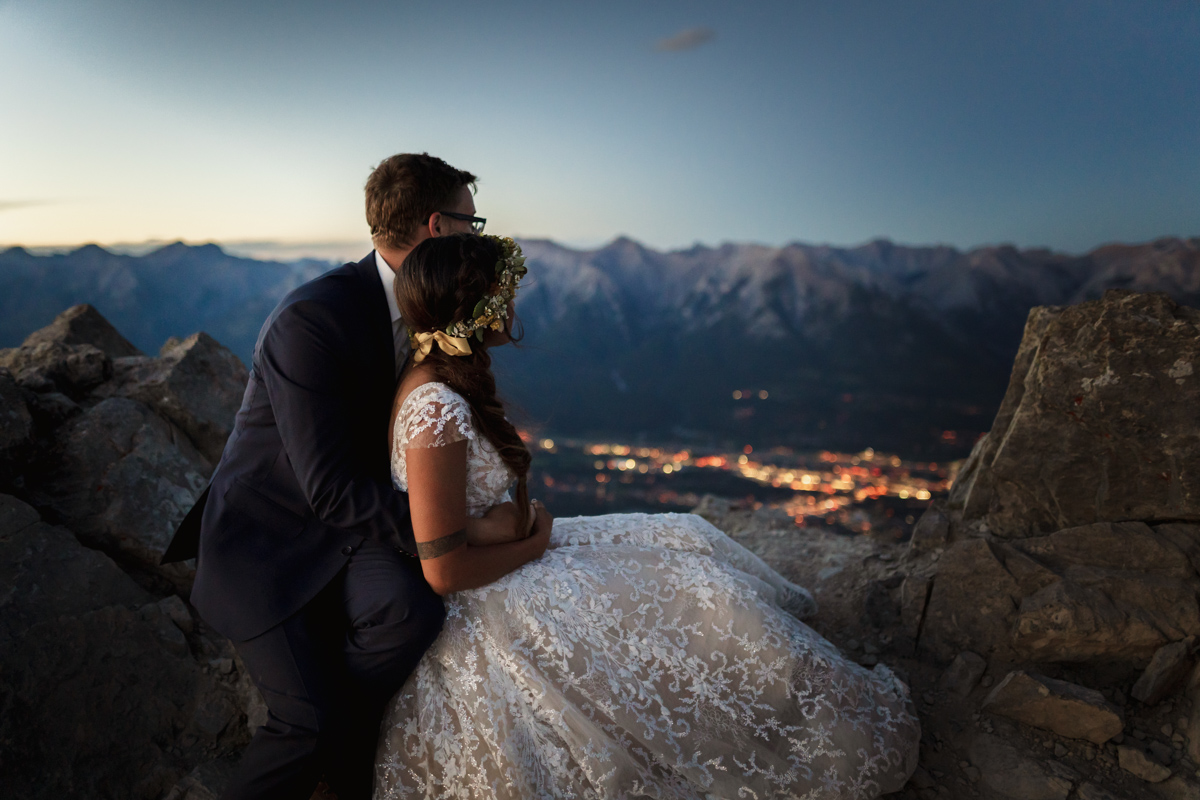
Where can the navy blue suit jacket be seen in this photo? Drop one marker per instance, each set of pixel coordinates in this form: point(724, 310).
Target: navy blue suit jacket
point(305, 476)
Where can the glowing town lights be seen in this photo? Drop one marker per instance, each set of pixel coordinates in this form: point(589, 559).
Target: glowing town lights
point(743, 460)
point(547, 444)
point(903, 494)
point(598, 464)
point(668, 469)
point(762, 394)
point(630, 463)
point(737, 394)
point(923, 495)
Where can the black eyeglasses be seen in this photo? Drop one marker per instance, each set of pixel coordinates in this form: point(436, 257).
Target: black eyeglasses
point(477, 223)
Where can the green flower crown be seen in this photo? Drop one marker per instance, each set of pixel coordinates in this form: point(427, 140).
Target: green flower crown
point(492, 310)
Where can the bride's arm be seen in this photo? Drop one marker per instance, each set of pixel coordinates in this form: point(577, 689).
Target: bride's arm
point(498, 526)
point(437, 496)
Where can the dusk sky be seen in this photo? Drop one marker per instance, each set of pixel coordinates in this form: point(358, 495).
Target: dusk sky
point(1047, 123)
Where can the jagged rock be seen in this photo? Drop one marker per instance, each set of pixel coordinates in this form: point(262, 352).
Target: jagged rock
point(931, 530)
point(1125, 591)
point(16, 428)
point(1167, 670)
point(195, 383)
point(1065, 708)
point(971, 603)
point(1102, 399)
point(964, 673)
point(83, 324)
point(122, 478)
point(73, 369)
point(94, 680)
point(1134, 761)
point(1009, 773)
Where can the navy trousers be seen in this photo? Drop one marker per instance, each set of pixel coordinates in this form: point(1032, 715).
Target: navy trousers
point(328, 671)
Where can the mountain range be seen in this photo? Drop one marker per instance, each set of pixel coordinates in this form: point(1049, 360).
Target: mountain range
point(901, 348)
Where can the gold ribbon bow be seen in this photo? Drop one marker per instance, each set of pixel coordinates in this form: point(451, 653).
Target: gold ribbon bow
point(451, 345)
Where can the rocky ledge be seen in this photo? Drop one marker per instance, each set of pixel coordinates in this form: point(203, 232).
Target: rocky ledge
point(1045, 615)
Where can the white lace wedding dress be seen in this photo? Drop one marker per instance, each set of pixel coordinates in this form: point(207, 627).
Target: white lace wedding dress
point(644, 655)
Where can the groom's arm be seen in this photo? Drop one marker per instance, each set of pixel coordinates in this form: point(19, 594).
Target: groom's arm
point(304, 364)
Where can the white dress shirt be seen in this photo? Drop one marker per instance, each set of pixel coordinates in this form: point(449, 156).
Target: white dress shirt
point(399, 332)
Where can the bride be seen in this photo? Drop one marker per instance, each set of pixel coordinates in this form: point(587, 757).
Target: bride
point(619, 656)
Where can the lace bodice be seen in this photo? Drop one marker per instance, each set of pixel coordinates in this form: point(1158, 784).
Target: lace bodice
point(434, 415)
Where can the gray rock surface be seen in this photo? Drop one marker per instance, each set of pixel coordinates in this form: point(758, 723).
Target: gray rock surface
point(1011, 774)
point(122, 479)
point(1166, 672)
point(1102, 399)
point(73, 369)
point(1069, 710)
point(102, 697)
point(196, 383)
point(83, 324)
point(971, 604)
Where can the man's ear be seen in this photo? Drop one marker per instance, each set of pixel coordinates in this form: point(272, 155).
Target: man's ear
point(434, 225)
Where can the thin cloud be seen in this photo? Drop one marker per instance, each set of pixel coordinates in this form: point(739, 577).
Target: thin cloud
point(687, 39)
point(13, 205)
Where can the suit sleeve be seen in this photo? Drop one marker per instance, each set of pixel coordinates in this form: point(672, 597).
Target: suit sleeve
point(305, 372)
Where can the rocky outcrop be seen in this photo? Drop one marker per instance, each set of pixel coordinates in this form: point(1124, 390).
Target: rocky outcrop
point(83, 324)
point(114, 444)
point(110, 687)
point(1073, 533)
point(196, 384)
point(1103, 401)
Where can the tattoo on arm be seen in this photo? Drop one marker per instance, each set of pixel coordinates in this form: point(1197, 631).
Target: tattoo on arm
point(439, 547)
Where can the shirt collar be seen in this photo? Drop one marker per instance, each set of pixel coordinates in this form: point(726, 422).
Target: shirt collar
point(387, 276)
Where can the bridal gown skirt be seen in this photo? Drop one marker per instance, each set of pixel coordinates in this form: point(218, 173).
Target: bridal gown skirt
point(644, 655)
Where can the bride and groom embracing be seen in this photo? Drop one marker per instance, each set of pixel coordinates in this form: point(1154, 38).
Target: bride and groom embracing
point(419, 628)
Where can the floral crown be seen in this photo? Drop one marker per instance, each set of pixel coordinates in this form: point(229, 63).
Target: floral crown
point(492, 310)
point(489, 313)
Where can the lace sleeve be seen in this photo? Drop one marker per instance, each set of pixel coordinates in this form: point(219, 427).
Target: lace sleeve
point(434, 415)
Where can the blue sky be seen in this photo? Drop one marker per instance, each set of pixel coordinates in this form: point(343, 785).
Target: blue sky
point(1062, 124)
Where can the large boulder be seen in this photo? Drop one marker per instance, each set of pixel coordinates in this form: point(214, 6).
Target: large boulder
point(122, 478)
point(82, 324)
point(195, 383)
point(101, 694)
point(1098, 423)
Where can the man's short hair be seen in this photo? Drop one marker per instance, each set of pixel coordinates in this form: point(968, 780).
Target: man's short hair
point(404, 190)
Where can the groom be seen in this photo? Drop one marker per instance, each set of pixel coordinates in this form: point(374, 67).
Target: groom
point(306, 552)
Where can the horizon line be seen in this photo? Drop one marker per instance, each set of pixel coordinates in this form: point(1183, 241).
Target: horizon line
point(320, 250)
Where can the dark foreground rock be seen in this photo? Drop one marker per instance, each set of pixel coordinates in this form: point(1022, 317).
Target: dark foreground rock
point(102, 694)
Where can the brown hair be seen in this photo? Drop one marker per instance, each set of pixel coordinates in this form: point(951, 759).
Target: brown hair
point(439, 284)
point(404, 190)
